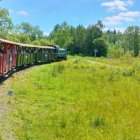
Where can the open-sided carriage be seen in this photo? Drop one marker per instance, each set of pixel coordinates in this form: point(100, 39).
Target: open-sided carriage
point(8, 56)
point(14, 55)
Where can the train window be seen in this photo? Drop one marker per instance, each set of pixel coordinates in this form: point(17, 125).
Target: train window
point(32, 50)
point(28, 50)
point(20, 50)
point(35, 50)
point(1, 46)
point(40, 50)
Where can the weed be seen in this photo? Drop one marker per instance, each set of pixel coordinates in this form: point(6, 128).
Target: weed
point(57, 69)
point(128, 72)
point(77, 61)
point(114, 75)
point(98, 122)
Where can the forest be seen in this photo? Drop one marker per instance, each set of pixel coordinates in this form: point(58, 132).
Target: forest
point(84, 41)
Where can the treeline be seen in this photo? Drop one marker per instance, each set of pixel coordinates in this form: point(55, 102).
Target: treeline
point(91, 40)
point(80, 40)
point(24, 33)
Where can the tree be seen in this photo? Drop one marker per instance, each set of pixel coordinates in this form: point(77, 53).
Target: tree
point(22, 38)
point(93, 32)
point(37, 33)
point(132, 39)
point(101, 46)
point(33, 31)
point(79, 39)
point(61, 35)
point(5, 23)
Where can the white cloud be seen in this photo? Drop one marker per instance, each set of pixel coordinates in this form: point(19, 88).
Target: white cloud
point(120, 29)
point(46, 33)
point(122, 8)
point(11, 11)
point(128, 16)
point(22, 13)
point(130, 2)
point(117, 5)
point(115, 28)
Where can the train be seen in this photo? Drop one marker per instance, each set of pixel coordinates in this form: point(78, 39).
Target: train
point(15, 56)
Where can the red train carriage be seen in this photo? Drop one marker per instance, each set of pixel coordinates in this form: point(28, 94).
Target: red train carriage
point(8, 54)
point(18, 55)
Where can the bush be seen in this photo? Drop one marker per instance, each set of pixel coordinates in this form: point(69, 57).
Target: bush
point(98, 122)
point(57, 69)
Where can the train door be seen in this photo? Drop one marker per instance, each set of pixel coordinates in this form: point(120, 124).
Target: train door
point(14, 56)
point(22, 57)
point(43, 55)
point(18, 57)
point(46, 56)
point(1, 62)
point(8, 61)
point(32, 56)
point(5, 58)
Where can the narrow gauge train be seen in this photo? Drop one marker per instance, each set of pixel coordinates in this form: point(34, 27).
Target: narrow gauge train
point(17, 55)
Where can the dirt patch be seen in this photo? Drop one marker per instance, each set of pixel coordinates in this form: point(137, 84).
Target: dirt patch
point(100, 63)
point(4, 108)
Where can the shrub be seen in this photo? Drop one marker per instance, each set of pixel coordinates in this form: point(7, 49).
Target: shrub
point(98, 122)
point(57, 69)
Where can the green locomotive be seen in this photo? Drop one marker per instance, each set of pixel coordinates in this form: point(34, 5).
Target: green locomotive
point(61, 53)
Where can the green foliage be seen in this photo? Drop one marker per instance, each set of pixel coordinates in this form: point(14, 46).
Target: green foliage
point(79, 37)
point(93, 32)
point(115, 52)
point(98, 122)
point(132, 39)
point(22, 38)
point(33, 31)
point(101, 46)
point(5, 23)
point(76, 40)
point(57, 69)
point(61, 35)
point(43, 42)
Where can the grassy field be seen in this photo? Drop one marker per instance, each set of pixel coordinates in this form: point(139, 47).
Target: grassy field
point(75, 100)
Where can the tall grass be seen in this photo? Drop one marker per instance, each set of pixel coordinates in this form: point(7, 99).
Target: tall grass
point(75, 100)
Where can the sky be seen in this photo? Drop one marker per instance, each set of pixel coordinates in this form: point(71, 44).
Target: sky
point(115, 14)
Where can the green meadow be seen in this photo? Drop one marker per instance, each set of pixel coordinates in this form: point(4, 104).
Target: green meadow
point(76, 100)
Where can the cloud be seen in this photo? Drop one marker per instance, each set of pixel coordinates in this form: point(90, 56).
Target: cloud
point(122, 8)
point(117, 5)
point(128, 16)
point(11, 11)
point(122, 30)
point(22, 13)
point(46, 33)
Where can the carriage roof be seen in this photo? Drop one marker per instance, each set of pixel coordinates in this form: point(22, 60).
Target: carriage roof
point(24, 45)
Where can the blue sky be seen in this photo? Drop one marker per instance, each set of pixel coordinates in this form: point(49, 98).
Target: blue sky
point(117, 14)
